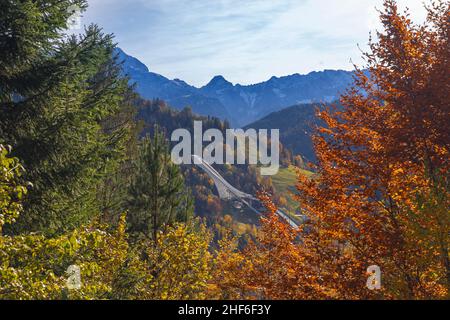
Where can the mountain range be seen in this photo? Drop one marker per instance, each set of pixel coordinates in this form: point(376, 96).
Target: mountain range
point(239, 104)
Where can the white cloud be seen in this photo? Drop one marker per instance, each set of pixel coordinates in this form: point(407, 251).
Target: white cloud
point(246, 41)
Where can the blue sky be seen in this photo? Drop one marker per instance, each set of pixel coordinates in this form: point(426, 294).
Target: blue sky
point(246, 41)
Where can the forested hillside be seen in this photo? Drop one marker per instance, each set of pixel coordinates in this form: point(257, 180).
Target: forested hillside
point(297, 125)
point(244, 177)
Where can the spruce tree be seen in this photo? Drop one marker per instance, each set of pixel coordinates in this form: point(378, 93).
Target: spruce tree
point(157, 194)
point(57, 94)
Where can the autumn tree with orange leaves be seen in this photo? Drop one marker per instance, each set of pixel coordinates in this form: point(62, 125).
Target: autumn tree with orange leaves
point(381, 193)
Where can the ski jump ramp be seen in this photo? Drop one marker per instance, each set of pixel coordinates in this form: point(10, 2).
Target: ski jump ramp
point(228, 192)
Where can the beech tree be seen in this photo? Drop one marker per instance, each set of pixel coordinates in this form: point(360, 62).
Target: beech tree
point(381, 196)
point(381, 192)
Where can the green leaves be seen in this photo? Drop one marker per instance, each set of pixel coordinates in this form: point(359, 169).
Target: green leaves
point(11, 191)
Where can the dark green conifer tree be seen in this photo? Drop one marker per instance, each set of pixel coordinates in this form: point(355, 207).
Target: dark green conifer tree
point(158, 195)
point(59, 96)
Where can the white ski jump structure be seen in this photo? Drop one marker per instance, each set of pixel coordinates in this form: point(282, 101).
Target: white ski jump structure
point(228, 192)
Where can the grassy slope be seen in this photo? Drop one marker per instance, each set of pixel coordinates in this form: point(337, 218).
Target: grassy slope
point(284, 183)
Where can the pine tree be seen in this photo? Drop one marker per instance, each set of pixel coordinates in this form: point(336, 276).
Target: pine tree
point(157, 195)
point(57, 94)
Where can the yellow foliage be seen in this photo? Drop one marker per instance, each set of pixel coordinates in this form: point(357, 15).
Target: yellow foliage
point(34, 267)
point(11, 191)
point(180, 262)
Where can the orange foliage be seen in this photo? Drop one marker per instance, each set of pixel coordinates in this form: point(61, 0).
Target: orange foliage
point(269, 268)
point(387, 148)
point(380, 196)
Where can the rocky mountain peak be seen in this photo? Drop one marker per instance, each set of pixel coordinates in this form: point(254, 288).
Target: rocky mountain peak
point(218, 81)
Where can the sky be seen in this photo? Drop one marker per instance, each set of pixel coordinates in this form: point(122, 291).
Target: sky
point(246, 41)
